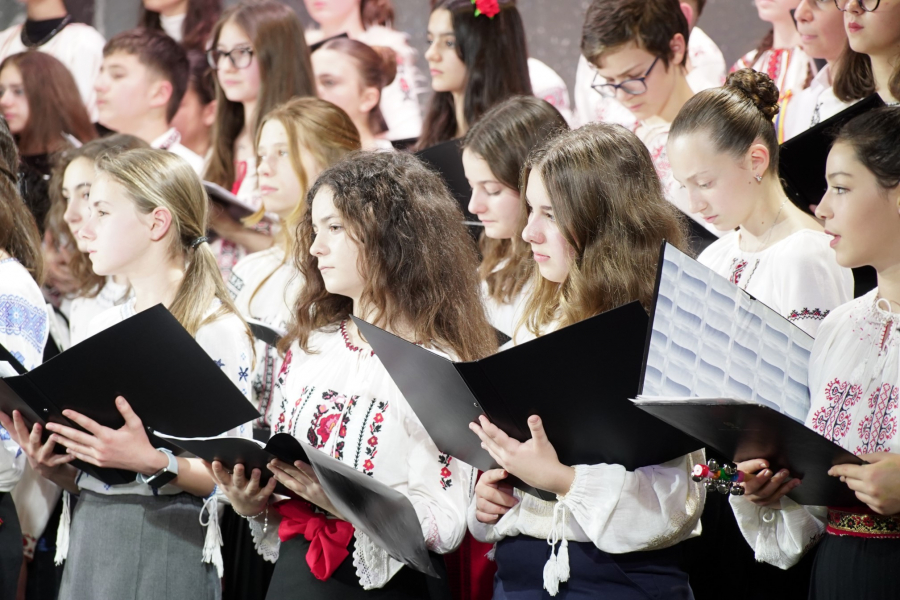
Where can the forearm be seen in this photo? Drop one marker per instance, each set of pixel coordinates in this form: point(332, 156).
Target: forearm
point(193, 477)
point(65, 477)
point(253, 241)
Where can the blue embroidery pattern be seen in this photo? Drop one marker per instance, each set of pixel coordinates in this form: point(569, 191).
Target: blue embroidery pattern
point(23, 319)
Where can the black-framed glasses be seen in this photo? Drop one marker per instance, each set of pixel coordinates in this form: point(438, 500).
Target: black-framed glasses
point(240, 57)
point(865, 5)
point(635, 86)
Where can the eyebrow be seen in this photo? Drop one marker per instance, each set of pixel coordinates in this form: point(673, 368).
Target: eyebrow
point(839, 174)
point(543, 206)
point(325, 218)
point(78, 186)
point(442, 33)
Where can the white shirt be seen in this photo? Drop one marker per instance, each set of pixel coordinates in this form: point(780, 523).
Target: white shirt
point(83, 310)
point(173, 25)
point(78, 46)
point(23, 332)
point(505, 316)
point(854, 378)
point(812, 105)
point(798, 277)
point(343, 401)
point(547, 85)
point(707, 70)
point(269, 279)
point(171, 141)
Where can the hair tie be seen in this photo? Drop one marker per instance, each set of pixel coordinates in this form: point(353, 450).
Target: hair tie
point(199, 241)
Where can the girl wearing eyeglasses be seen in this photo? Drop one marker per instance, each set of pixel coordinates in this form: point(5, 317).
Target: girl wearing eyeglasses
point(873, 30)
point(639, 49)
point(260, 60)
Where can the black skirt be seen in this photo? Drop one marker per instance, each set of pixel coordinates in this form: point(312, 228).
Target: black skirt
point(247, 575)
point(293, 579)
point(855, 567)
point(10, 547)
point(654, 574)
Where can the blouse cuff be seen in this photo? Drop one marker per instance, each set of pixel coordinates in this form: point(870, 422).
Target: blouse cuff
point(595, 490)
point(265, 535)
point(374, 566)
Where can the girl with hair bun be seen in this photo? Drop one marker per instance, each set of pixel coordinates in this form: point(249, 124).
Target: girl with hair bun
point(352, 76)
point(854, 377)
point(370, 22)
point(148, 220)
point(723, 149)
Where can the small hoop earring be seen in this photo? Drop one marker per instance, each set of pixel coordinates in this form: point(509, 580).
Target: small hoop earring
point(758, 178)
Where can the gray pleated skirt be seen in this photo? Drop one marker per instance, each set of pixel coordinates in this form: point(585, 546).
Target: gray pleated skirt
point(137, 548)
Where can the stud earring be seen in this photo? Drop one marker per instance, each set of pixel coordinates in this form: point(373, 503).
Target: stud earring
point(758, 178)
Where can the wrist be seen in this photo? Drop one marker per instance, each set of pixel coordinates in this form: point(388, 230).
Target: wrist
point(154, 462)
point(564, 480)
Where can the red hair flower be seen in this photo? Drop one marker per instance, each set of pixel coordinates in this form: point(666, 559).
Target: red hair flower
point(488, 8)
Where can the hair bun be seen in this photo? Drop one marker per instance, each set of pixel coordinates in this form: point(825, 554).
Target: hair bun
point(758, 88)
point(388, 64)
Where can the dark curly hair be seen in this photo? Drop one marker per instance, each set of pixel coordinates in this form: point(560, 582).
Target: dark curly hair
point(19, 235)
point(419, 262)
point(735, 115)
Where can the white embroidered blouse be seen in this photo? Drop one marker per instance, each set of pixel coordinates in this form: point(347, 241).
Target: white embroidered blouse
point(854, 381)
point(342, 401)
point(24, 328)
point(269, 279)
point(83, 310)
point(798, 276)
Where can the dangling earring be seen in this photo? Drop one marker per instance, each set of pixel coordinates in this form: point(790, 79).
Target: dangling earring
point(758, 178)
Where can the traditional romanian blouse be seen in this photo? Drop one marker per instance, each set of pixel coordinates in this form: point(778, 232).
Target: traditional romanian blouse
point(264, 286)
point(813, 105)
point(854, 382)
point(83, 310)
point(798, 276)
point(342, 401)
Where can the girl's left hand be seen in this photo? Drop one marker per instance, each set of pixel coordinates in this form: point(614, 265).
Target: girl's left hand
point(535, 462)
point(876, 483)
point(301, 479)
point(125, 448)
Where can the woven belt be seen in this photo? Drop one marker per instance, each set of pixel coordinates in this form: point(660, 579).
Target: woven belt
point(842, 522)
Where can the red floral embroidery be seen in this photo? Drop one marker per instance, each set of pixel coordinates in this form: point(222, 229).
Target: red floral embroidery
point(378, 418)
point(368, 466)
point(879, 427)
point(326, 418)
point(446, 473)
point(833, 421)
point(326, 425)
point(737, 270)
point(372, 442)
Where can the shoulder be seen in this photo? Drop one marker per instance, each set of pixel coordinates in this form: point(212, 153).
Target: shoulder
point(9, 34)
point(22, 306)
point(84, 34)
point(109, 317)
point(17, 281)
point(225, 329)
point(723, 246)
point(850, 316)
point(807, 249)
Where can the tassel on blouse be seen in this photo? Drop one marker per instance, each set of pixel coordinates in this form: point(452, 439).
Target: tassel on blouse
point(212, 545)
point(557, 570)
point(62, 532)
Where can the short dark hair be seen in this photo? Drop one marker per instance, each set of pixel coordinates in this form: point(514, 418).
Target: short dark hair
point(651, 24)
point(158, 52)
point(873, 136)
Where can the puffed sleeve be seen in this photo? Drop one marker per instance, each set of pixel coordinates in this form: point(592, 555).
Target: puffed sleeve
point(779, 537)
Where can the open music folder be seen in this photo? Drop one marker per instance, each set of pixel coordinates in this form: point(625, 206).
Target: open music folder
point(578, 379)
point(168, 379)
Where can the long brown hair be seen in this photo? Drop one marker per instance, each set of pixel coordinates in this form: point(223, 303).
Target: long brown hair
point(19, 235)
point(54, 104)
point(496, 58)
point(157, 178)
point(198, 22)
point(88, 284)
point(377, 67)
point(505, 135)
point(610, 208)
point(285, 71)
point(854, 79)
point(419, 263)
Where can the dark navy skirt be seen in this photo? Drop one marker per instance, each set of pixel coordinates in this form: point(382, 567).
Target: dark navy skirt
point(594, 573)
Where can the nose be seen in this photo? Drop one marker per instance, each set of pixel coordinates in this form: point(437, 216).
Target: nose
point(476, 205)
point(264, 168)
point(696, 204)
point(823, 210)
point(72, 215)
point(87, 232)
point(852, 6)
point(6, 98)
point(432, 55)
point(532, 233)
point(318, 249)
point(804, 13)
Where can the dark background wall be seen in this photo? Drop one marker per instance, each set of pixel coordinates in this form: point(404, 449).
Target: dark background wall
point(553, 26)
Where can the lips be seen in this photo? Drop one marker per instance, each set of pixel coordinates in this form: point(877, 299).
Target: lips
point(267, 189)
point(435, 72)
point(711, 219)
point(835, 238)
point(541, 257)
point(854, 27)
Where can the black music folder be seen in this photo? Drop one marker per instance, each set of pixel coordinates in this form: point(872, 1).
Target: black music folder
point(268, 334)
point(745, 431)
point(168, 379)
point(382, 513)
point(237, 208)
point(446, 158)
point(578, 379)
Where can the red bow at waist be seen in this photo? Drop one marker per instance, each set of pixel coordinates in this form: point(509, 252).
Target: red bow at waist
point(328, 538)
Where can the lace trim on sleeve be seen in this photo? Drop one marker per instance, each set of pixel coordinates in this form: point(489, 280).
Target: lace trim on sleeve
point(267, 543)
point(372, 564)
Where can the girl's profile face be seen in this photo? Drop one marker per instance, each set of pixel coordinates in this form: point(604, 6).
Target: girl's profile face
point(116, 236)
point(76, 188)
point(861, 216)
point(336, 252)
point(821, 28)
point(496, 205)
point(13, 101)
point(552, 252)
point(448, 71)
point(338, 81)
point(876, 33)
point(721, 190)
point(239, 85)
point(279, 185)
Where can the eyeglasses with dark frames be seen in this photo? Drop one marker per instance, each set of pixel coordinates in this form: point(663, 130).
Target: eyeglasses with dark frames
point(865, 5)
point(634, 87)
point(240, 57)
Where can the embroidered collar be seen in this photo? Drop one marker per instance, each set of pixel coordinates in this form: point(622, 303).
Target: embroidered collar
point(166, 140)
point(350, 346)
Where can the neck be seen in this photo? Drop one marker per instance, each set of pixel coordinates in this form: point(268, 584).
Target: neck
point(785, 34)
point(147, 129)
point(889, 285)
point(366, 137)
point(156, 285)
point(882, 69)
point(459, 107)
point(44, 10)
point(757, 229)
point(351, 24)
point(677, 99)
point(249, 110)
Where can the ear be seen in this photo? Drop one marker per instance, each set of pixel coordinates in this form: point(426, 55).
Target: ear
point(208, 114)
point(369, 99)
point(688, 11)
point(679, 49)
point(160, 93)
point(160, 223)
point(759, 158)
